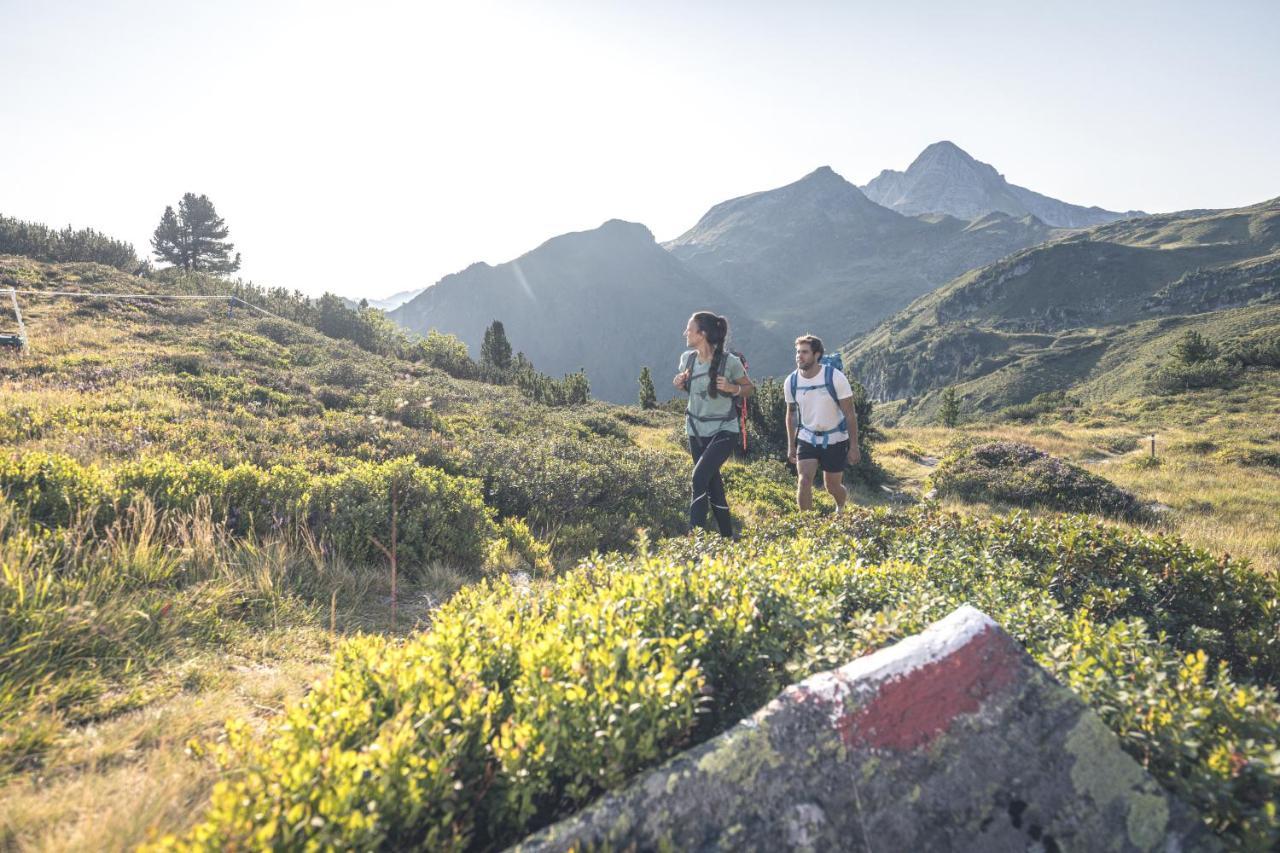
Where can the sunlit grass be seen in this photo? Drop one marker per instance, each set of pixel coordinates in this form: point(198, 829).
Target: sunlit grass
point(1198, 483)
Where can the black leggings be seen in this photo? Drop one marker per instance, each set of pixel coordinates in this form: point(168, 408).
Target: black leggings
point(708, 486)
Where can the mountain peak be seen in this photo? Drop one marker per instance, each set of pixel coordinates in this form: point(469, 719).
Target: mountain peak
point(944, 178)
point(822, 173)
point(949, 156)
point(944, 146)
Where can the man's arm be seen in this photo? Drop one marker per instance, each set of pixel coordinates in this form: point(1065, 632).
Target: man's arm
point(791, 432)
point(851, 418)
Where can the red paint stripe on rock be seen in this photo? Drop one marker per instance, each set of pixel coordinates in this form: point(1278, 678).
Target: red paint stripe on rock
point(910, 710)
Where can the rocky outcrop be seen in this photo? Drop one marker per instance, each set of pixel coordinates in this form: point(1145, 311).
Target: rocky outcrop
point(950, 740)
point(1201, 290)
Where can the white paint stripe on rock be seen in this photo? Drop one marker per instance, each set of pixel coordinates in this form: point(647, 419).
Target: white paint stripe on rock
point(940, 640)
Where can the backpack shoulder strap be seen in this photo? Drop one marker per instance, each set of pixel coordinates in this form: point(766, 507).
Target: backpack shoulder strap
point(794, 379)
point(829, 377)
point(688, 360)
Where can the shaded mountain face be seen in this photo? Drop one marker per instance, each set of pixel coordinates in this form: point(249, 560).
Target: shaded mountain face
point(1054, 316)
point(945, 179)
point(609, 301)
point(819, 256)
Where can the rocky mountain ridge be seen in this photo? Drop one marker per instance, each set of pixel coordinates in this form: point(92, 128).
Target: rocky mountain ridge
point(946, 179)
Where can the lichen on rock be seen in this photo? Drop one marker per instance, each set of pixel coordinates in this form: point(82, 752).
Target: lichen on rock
point(950, 740)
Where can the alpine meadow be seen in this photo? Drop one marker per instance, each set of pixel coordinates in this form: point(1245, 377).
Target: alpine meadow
point(320, 532)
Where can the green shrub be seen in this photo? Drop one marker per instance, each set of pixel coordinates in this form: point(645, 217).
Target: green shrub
point(52, 490)
point(1041, 404)
point(439, 517)
point(1018, 474)
point(578, 494)
point(243, 497)
point(516, 708)
point(1261, 349)
point(47, 244)
point(444, 352)
point(605, 426)
point(1175, 377)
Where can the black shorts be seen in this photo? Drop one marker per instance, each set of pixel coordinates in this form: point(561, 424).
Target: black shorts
point(833, 458)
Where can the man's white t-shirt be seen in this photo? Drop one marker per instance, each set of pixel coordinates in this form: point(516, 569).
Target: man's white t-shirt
point(817, 410)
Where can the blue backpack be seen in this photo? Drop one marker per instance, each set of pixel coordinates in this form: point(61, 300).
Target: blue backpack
point(830, 364)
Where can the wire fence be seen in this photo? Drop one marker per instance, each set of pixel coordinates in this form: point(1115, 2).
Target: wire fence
point(20, 339)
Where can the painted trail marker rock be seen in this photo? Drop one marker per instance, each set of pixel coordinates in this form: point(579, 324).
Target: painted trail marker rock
point(954, 739)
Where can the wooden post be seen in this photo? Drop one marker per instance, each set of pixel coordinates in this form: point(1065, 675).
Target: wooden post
point(1153, 445)
point(17, 313)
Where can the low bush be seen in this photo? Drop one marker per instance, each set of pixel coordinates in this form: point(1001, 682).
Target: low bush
point(444, 352)
point(1261, 349)
point(1019, 474)
point(580, 494)
point(1176, 376)
point(516, 708)
point(1041, 404)
point(52, 490)
point(440, 517)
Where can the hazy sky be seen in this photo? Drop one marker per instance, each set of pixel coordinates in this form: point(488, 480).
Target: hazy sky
point(371, 147)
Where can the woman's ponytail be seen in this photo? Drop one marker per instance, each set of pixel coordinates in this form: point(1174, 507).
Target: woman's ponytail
point(717, 331)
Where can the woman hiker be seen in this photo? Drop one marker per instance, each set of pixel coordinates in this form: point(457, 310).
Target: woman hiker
point(712, 378)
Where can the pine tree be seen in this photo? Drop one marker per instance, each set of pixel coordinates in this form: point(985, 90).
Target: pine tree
point(950, 411)
point(648, 396)
point(195, 238)
point(168, 242)
point(1193, 348)
point(495, 349)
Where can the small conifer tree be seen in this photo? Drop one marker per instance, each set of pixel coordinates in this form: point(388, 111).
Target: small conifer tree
point(1193, 348)
point(648, 396)
point(950, 407)
point(495, 349)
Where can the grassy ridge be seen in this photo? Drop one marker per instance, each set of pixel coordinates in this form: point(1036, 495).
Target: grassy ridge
point(1091, 314)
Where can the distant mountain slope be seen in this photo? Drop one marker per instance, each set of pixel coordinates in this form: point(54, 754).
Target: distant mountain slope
point(1053, 316)
point(608, 300)
point(817, 255)
point(395, 300)
point(945, 179)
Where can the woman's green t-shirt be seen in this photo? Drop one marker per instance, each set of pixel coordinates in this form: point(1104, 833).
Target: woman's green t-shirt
point(711, 414)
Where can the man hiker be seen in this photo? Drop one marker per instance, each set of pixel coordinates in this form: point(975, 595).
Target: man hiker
point(822, 429)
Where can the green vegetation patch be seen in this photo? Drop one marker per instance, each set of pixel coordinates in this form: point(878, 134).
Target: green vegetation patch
point(439, 517)
point(1006, 472)
point(518, 707)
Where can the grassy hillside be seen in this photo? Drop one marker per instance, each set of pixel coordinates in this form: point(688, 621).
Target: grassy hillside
point(1214, 481)
point(1087, 313)
point(187, 536)
point(188, 503)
